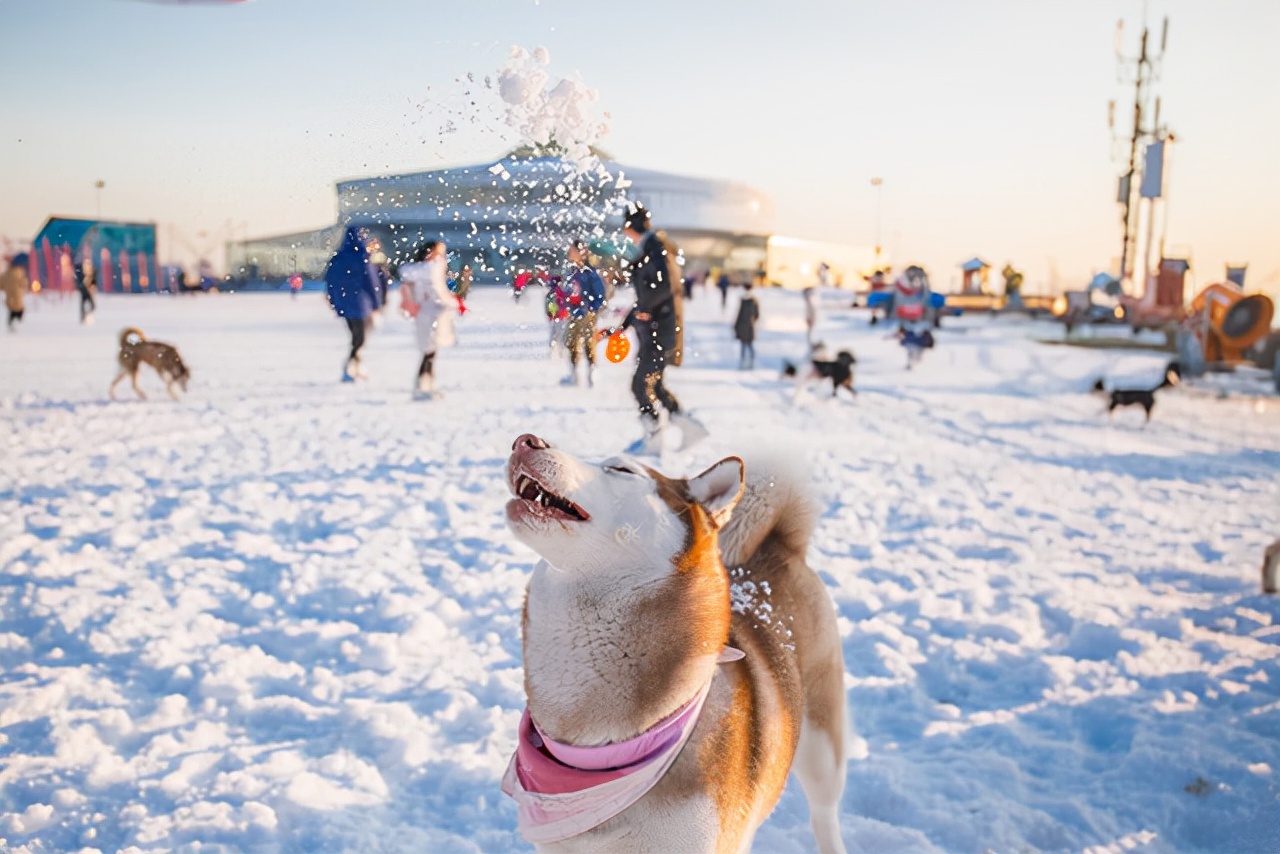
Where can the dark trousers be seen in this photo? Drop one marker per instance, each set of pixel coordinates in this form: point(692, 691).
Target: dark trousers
point(356, 325)
point(14, 315)
point(747, 357)
point(87, 305)
point(427, 366)
point(657, 344)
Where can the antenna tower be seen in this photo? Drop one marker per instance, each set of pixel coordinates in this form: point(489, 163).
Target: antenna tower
point(1142, 71)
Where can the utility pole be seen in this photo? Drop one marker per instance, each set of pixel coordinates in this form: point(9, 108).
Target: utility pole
point(1145, 71)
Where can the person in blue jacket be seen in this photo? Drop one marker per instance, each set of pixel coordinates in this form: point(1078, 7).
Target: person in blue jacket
point(354, 292)
point(585, 297)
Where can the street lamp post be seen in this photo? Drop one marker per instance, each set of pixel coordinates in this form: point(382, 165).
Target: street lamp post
point(877, 183)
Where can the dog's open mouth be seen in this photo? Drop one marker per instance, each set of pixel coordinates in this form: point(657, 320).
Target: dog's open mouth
point(545, 502)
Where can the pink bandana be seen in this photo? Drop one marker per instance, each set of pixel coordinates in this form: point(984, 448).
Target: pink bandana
point(562, 790)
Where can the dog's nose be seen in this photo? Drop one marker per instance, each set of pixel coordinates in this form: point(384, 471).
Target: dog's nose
point(528, 440)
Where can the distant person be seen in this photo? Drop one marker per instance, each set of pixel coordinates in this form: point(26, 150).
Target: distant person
point(722, 282)
point(911, 295)
point(462, 285)
point(556, 306)
point(810, 313)
point(744, 328)
point(86, 285)
point(352, 285)
point(585, 291)
point(824, 275)
point(382, 273)
point(1012, 287)
point(430, 304)
point(658, 318)
point(522, 280)
point(295, 285)
point(878, 282)
point(15, 283)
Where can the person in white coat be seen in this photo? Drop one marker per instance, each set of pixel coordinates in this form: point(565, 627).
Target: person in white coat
point(431, 305)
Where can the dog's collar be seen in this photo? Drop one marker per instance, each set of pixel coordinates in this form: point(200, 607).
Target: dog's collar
point(562, 790)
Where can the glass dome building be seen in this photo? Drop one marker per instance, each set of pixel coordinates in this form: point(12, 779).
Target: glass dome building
point(521, 212)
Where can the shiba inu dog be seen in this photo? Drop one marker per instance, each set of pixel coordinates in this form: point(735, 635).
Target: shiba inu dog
point(136, 350)
point(680, 657)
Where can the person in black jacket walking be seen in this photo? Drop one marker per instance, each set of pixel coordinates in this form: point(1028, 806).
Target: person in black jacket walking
point(658, 320)
point(744, 328)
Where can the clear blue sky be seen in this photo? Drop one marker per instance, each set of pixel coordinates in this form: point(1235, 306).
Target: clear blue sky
point(986, 120)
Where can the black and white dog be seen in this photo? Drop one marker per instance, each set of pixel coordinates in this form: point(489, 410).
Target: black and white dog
point(1144, 397)
point(838, 370)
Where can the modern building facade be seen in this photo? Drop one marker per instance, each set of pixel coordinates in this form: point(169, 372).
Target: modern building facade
point(520, 212)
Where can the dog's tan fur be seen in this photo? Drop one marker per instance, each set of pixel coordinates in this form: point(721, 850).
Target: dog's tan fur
point(136, 351)
point(621, 664)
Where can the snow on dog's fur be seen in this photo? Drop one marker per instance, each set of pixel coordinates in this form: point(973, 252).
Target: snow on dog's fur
point(626, 617)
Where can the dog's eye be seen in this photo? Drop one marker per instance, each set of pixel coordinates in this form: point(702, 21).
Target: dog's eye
point(620, 470)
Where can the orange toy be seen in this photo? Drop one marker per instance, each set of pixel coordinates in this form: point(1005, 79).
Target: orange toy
point(618, 347)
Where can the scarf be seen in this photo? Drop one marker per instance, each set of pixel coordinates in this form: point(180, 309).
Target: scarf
point(562, 790)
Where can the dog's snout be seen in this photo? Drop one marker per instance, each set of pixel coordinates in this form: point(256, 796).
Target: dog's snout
point(528, 440)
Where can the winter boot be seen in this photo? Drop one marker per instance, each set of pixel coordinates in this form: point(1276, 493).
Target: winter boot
point(692, 430)
point(650, 444)
point(423, 389)
point(348, 371)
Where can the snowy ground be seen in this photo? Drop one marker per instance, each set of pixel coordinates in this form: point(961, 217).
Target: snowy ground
point(282, 614)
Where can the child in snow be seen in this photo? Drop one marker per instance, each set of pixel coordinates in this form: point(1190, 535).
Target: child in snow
point(429, 301)
point(557, 309)
point(585, 297)
point(744, 328)
point(911, 307)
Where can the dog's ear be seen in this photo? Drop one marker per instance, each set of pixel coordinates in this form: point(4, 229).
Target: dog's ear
point(718, 489)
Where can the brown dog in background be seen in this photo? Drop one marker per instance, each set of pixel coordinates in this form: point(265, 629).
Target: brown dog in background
point(136, 350)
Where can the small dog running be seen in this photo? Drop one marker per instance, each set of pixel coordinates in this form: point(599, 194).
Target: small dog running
point(838, 370)
point(136, 350)
point(1146, 398)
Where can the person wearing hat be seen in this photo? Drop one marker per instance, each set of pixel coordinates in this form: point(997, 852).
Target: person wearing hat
point(15, 284)
point(352, 285)
point(658, 318)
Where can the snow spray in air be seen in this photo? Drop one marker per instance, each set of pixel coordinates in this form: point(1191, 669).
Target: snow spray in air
point(564, 186)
